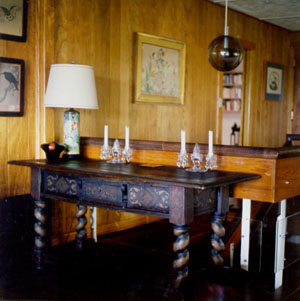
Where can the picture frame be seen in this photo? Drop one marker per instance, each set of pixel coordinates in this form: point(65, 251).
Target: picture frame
point(159, 72)
point(273, 81)
point(13, 20)
point(11, 87)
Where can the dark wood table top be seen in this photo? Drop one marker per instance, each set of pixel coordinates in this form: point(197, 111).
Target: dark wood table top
point(164, 175)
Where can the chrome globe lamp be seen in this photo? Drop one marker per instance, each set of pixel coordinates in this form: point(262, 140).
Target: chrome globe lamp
point(225, 52)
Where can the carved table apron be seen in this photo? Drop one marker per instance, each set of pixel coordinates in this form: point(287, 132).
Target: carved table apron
point(161, 191)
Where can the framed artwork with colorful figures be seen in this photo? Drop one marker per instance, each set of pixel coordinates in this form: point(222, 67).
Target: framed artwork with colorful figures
point(11, 87)
point(159, 71)
point(13, 20)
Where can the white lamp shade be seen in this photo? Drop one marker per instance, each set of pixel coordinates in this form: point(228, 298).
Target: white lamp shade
point(71, 86)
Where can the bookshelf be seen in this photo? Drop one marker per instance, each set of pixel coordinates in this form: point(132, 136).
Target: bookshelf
point(231, 105)
point(232, 91)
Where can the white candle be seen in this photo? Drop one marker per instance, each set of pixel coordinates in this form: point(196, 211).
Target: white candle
point(126, 137)
point(210, 143)
point(183, 150)
point(106, 136)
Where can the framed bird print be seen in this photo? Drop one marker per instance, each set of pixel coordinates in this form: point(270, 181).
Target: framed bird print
point(11, 87)
point(13, 20)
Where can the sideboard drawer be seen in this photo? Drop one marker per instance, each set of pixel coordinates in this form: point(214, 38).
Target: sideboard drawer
point(148, 197)
point(103, 191)
point(61, 185)
point(86, 189)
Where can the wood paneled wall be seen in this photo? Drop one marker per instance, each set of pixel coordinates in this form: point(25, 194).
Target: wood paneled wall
point(20, 137)
point(17, 134)
point(295, 40)
point(100, 33)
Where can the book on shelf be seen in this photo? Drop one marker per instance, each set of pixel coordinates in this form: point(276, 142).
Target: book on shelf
point(236, 105)
point(232, 79)
point(238, 79)
point(233, 92)
point(232, 105)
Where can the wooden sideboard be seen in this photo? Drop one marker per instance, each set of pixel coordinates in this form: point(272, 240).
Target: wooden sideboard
point(278, 168)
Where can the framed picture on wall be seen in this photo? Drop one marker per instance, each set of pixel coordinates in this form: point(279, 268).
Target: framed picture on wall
point(13, 20)
point(273, 81)
point(11, 87)
point(159, 70)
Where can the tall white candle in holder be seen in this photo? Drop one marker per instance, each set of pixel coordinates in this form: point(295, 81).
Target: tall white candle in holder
point(106, 136)
point(210, 143)
point(183, 150)
point(126, 137)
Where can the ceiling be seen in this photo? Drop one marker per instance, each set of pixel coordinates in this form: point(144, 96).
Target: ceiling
point(283, 13)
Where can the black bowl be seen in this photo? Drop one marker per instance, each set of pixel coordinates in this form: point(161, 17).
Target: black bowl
point(53, 151)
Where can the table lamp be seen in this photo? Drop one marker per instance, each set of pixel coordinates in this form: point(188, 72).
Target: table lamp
point(71, 86)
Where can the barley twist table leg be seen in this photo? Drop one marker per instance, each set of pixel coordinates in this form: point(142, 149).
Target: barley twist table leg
point(182, 254)
point(40, 231)
point(216, 239)
point(80, 227)
point(218, 218)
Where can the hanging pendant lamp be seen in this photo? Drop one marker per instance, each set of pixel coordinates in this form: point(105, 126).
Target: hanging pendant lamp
point(225, 53)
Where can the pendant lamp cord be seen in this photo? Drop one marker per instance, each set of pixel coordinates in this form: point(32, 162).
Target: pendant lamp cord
point(226, 27)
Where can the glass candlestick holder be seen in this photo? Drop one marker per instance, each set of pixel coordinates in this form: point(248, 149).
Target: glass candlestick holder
point(116, 152)
point(105, 152)
point(182, 160)
point(196, 158)
point(211, 162)
point(126, 155)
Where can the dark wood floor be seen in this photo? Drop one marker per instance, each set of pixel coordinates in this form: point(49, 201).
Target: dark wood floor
point(131, 265)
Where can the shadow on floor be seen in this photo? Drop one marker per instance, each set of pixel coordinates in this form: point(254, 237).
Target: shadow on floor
point(130, 265)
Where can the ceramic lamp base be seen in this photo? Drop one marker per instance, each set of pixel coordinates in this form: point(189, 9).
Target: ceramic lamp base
point(71, 133)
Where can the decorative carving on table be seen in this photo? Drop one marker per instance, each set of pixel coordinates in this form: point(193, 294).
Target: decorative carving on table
point(176, 205)
point(204, 200)
point(62, 185)
point(181, 212)
point(148, 197)
point(104, 191)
